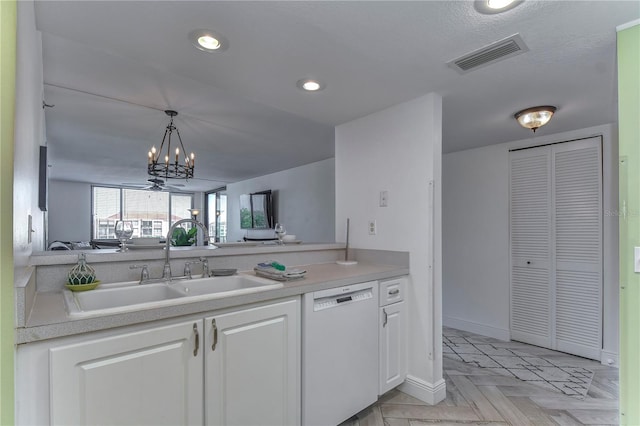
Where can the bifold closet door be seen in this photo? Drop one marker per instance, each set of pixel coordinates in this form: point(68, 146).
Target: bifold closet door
point(556, 246)
point(577, 200)
point(530, 232)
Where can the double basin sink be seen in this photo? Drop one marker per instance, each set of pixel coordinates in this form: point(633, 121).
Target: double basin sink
point(132, 296)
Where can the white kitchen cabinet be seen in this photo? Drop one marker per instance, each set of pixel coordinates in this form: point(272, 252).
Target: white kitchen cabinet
point(149, 377)
point(165, 374)
point(252, 366)
point(392, 337)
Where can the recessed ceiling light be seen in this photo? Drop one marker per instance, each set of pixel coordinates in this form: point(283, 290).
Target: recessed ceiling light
point(208, 41)
point(489, 7)
point(499, 4)
point(309, 85)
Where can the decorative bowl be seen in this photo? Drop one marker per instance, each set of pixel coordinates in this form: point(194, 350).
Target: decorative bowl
point(83, 287)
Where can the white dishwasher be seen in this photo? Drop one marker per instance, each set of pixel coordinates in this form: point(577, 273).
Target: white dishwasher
point(339, 353)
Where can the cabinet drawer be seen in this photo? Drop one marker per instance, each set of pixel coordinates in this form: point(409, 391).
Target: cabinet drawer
point(392, 291)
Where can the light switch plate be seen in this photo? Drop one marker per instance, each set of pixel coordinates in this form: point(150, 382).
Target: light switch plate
point(636, 259)
point(384, 198)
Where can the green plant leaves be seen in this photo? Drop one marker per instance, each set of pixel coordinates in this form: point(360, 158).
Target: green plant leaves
point(180, 237)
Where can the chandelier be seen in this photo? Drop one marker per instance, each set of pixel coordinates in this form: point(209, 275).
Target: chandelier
point(173, 169)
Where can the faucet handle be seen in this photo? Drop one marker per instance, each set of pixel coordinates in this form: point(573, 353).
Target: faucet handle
point(187, 267)
point(144, 274)
point(205, 267)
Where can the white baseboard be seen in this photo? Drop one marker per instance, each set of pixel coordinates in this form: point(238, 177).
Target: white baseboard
point(474, 327)
point(431, 393)
point(606, 357)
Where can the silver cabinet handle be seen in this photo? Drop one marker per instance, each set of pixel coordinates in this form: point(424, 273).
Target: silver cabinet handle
point(394, 292)
point(384, 321)
point(215, 334)
point(195, 331)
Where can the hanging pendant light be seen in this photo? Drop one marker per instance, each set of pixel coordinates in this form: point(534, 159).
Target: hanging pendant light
point(536, 117)
point(163, 167)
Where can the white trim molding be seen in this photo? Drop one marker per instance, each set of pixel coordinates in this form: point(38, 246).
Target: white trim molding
point(431, 393)
point(474, 327)
point(628, 25)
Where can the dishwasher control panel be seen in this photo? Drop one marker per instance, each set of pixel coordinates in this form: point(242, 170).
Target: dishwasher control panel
point(342, 299)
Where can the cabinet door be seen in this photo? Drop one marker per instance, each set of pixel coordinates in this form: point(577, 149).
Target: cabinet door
point(393, 346)
point(150, 377)
point(252, 366)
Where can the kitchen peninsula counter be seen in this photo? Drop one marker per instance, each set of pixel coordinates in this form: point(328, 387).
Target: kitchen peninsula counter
point(47, 318)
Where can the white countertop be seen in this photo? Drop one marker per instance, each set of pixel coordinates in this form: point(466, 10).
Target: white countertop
point(48, 318)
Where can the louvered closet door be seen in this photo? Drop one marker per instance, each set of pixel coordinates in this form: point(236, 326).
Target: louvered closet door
point(530, 206)
point(556, 246)
point(577, 184)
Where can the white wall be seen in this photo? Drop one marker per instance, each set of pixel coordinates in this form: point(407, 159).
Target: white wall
point(399, 150)
point(476, 236)
point(29, 135)
point(305, 202)
point(476, 240)
point(69, 211)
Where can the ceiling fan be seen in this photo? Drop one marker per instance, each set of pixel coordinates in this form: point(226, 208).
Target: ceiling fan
point(156, 184)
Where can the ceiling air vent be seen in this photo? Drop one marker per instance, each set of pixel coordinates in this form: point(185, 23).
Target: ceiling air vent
point(503, 49)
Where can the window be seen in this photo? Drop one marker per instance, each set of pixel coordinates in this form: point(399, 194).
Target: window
point(151, 212)
point(106, 210)
point(216, 214)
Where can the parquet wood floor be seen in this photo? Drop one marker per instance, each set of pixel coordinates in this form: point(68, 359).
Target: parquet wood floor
point(479, 397)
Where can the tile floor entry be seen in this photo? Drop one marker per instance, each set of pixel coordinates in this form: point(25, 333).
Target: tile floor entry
point(479, 396)
point(563, 376)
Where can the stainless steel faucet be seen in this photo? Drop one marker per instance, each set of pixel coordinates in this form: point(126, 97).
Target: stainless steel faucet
point(205, 267)
point(166, 273)
point(144, 273)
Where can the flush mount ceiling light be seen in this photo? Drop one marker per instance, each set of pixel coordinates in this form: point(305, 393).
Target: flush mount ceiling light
point(495, 6)
point(535, 117)
point(208, 41)
point(170, 169)
point(309, 85)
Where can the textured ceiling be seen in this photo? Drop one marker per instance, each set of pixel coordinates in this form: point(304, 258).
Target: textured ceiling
point(112, 67)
